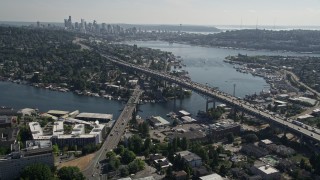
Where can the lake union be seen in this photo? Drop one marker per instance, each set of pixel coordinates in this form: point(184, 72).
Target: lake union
point(204, 64)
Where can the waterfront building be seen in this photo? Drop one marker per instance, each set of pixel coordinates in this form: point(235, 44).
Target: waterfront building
point(99, 130)
point(78, 129)
point(102, 118)
point(157, 121)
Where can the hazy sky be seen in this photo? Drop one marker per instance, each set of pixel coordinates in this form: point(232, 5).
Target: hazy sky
point(201, 12)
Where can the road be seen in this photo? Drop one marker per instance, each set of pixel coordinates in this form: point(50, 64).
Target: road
point(93, 170)
point(222, 97)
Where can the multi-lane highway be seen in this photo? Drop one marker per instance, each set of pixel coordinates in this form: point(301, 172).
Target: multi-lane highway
point(93, 170)
point(222, 97)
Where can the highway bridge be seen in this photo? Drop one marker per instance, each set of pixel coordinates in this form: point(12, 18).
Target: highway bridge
point(222, 97)
point(94, 171)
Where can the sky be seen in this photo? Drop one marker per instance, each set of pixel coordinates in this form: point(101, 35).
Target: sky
point(197, 12)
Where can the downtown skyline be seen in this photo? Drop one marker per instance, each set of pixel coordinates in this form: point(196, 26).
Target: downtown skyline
point(201, 12)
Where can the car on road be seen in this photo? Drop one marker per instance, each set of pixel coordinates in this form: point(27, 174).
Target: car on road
point(311, 134)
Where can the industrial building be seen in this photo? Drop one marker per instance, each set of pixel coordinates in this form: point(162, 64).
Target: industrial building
point(219, 130)
point(102, 118)
point(157, 121)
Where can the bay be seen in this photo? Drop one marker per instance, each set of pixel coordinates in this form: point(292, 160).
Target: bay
point(204, 64)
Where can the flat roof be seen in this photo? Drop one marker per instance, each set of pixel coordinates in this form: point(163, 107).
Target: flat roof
point(58, 112)
point(94, 115)
point(97, 129)
point(68, 136)
point(280, 102)
point(306, 116)
point(316, 110)
point(72, 120)
point(266, 141)
point(58, 128)
point(161, 120)
point(213, 176)
point(305, 99)
point(268, 169)
point(35, 129)
point(185, 113)
point(187, 119)
point(78, 129)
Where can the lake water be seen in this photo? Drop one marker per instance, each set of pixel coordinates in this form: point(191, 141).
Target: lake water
point(204, 64)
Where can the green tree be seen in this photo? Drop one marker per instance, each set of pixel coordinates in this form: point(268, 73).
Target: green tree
point(114, 162)
point(55, 149)
point(223, 170)
point(251, 138)
point(230, 137)
point(70, 173)
point(124, 172)
point(136, 165)
point(37, 171)
point(135, 144)
point(184, 143)
point(128, 156)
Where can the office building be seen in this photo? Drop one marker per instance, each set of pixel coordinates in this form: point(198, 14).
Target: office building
point(36, 152)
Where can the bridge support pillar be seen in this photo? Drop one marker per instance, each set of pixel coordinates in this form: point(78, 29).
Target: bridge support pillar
point(208, 101)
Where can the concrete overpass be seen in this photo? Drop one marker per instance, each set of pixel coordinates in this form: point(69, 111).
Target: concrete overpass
point(221, 97)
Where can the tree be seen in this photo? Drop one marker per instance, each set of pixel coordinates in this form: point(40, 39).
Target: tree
point(302, 163)
point(128, 156)
point(55, 149)
point(250, 138)
point(223, 170)
point(184, 143)
point(135, 144)
point(114, 162)
point(169, 173)
point(124, 172)
point(147, 144)
point(135, 166)
point(70, 173)
point(230, 137)
point(37, 171)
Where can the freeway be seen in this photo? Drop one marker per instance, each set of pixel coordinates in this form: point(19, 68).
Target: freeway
point(222, 97)
point(93, 170)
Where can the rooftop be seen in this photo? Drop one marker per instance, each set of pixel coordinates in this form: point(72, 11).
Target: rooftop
point(266, 141)
point(268, 169)
point(157, 120)
point(36, 130)
point(97, 129)
point(94, 116)
point(184, 113)
point(187, 119)
point(58, 112)
point(58, 128)
point(68, 136)
point(214, 176)
point(78, 129)
point(189, 156)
